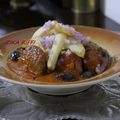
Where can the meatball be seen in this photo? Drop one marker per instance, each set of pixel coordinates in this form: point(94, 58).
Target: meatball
point(70, 64)
point(30, 61)
point(96, 59)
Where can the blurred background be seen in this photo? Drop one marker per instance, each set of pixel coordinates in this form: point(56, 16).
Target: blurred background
point(19, 14)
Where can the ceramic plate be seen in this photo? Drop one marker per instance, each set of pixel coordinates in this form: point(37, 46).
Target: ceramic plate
point(106, 39)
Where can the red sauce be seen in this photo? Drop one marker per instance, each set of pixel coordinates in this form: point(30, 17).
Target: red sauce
point(48, 78)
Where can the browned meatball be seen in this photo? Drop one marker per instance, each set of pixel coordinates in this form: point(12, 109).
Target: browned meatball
point(70, 63)
point(96, 59)
point(30, 61)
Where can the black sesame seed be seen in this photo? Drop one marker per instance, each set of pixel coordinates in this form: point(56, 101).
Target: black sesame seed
point(87, 74)
point(65, 76)
point(23, 48)
point(15, 55)
point(34, 78)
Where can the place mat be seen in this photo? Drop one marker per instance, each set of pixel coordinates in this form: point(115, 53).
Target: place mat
point(99, 102)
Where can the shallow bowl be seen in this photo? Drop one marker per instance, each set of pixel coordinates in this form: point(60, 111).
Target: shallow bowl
point(104, 38)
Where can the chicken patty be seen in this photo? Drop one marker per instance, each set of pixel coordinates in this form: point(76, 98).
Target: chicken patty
point(28, 62)
point(96, 59)
point(69, 64)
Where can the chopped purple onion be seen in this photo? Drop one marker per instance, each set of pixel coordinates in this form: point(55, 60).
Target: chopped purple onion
point(48, 41)
point(85, 40)
point(47, 25)
point(69, 28)
point(99, 69)
point(68, 52)
point(91, 44)
point(78, 36)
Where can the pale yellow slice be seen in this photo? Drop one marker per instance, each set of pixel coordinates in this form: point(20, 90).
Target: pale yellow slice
point(77, 49)
point(55, 50)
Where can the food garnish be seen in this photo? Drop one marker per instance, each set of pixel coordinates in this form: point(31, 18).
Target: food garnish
point(56, 49)
point(78, 49)
point(47, 39)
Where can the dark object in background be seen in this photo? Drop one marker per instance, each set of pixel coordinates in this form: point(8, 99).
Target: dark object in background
point(16, 4)
point(19, 14)
point(15, 16)
point(85, 6)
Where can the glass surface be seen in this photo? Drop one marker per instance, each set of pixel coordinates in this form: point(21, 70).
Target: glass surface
point(99, 102)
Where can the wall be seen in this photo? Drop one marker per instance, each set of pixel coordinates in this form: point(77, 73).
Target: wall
point(111, 8)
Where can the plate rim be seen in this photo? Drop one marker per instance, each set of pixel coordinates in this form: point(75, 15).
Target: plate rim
point(74, 83)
